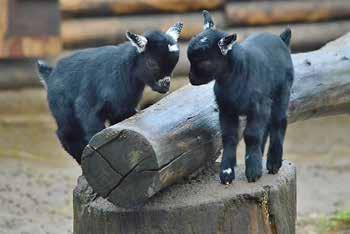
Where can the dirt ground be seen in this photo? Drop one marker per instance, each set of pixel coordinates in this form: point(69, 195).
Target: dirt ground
point(37, 177)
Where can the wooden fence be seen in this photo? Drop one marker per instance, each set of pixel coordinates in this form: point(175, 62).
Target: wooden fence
point(98, 22)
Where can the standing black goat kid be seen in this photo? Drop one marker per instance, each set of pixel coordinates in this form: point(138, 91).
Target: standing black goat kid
point(252, 79)
point(103, 84)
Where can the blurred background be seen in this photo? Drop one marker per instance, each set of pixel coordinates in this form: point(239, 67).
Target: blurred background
point(37, 176)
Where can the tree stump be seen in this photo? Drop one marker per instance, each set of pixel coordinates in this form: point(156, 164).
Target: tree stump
point(198, 205)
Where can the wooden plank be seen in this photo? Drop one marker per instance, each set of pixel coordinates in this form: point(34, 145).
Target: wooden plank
point(181, 133)
point(96, 32)
point(29, 47)
point(3, 18)
point(17, 74)
point(266, 12)
point(111, 30)
point(29, 28)
point(33, 18)
point(120, 7)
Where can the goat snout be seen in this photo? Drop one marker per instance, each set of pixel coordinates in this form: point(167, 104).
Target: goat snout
point(165, 82)
point(162, 85)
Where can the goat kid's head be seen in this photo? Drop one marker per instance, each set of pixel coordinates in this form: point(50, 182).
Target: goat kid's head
point(208, 53)
point(159, 54)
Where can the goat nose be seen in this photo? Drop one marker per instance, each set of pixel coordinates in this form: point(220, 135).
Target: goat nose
point(166, 80)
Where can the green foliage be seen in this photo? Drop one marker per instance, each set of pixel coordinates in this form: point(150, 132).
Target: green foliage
point(338, 222)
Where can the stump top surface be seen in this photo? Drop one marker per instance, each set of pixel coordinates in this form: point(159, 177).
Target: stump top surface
point(200, 190)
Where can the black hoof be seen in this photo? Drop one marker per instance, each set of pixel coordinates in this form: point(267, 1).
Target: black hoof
point(227, 176)
point(253, 174)
point(273, 166)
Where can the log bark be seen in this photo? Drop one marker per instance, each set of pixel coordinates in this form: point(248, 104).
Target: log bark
point(200, 206)
point(131, 161)
point(111, 30)
point(264, 13)
point(121, 7)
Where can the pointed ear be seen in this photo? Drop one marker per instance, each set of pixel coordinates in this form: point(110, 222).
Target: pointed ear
point(208, 21)
point(175, 30)
point(138, 41)
point(225, 44)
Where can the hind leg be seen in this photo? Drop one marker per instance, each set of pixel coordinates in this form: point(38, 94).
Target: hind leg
point(257, 121)
point(277, 134)
point(68, 130)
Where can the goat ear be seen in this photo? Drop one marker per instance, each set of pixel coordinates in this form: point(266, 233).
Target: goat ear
point(138, 41)
point(175, 31)
point(225, 44)
point(208, 21)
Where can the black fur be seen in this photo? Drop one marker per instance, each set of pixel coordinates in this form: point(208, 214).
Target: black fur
point(103, 84)
point(252, 79)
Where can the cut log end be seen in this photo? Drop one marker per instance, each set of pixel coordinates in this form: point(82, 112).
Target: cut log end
point(112, 176)
point(199, 205)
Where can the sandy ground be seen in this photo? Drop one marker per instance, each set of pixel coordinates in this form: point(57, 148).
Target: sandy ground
point(37, 177)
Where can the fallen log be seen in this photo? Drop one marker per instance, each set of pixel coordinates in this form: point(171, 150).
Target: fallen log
point(121, 7)
point(111, 30)
point(265, 13)
point(129, 162)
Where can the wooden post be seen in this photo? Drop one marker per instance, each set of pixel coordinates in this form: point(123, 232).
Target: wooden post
point(131, 161)
point(29, 28)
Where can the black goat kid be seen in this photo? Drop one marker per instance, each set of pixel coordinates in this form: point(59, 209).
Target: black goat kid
point(103, 84)
point(252, 79)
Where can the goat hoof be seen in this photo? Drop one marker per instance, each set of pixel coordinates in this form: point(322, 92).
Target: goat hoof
point(253, 174)
point(227, 176)
point(273, 166)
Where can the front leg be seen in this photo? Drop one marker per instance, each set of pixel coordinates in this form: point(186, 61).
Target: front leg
point(229, 128)
point(257, 122)
point(89, 116)
point(118, 117)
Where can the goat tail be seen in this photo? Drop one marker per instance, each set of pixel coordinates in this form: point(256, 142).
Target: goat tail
point(286, 36)
point(44, 71)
